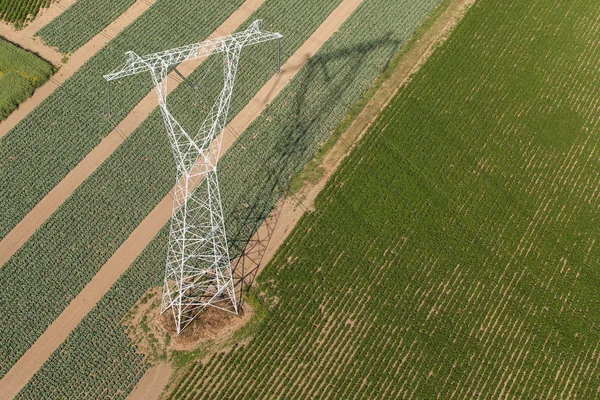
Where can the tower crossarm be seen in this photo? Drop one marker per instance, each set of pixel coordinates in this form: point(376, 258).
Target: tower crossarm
point(136, 64)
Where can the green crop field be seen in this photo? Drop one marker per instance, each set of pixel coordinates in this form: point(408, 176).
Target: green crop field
point(453, 254)
point(132, 181)
point(18, 12)
point(20, 73)
point(81, 22)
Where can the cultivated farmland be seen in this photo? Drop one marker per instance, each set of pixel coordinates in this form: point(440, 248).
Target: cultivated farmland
point(20, 73)
point(80, 22)
point(454, 253)
point(271, 151)
point(68, 139)
point(42, 148)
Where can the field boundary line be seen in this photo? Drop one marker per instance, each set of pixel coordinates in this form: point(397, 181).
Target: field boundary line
point(30, 43)
point(26, 38)
point(76, 61)
point(33, 359)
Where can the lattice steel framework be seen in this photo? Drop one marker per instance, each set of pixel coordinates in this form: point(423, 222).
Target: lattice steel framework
point(198, 271)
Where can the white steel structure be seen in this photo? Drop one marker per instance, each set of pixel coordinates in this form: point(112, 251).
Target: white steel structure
point(198, 272)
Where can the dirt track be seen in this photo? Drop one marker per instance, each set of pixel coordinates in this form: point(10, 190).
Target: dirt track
point(25, 37)
point(45, 15)
point(152, 383)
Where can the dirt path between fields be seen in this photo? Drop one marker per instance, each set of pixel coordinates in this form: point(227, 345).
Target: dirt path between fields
point(152, 383)
point(76, 60)
point(31, 43)
point(79, 307)
point(45, 16)
point(25, 37)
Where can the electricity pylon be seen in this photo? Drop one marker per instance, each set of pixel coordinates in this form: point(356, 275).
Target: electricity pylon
point(198, 272)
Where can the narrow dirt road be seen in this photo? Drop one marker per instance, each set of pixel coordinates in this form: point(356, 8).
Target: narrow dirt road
point(152, 383)
point(33, 44)
point(79, 307)
point(45, 16)
point(25, 37)
point(76, 60)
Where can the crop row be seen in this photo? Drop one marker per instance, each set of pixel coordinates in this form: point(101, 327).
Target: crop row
point(257, 169)
point(71, 246)
point(81, 22)
point(39, 151)
point(452, 255)
point(19, 11)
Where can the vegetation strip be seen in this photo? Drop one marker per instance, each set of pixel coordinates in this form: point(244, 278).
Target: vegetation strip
point(82, 21)
point(55, 334)
point(254, 172)
point(20, 73)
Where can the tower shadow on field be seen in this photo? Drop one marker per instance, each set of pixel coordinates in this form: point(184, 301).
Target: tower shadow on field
point(266, 177)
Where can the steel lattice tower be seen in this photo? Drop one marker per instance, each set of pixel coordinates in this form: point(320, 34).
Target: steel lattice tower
point(198, 271)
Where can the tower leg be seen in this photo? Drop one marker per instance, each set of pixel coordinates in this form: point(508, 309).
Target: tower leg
point(198, 272)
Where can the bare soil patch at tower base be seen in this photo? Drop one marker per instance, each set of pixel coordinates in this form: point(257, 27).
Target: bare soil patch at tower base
point(155, 334)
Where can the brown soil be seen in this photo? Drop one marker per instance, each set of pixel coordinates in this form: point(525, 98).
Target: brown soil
point(33, 44)
point(156, 336)
point(152, 383)
point(25, 37)
point(33, 359)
